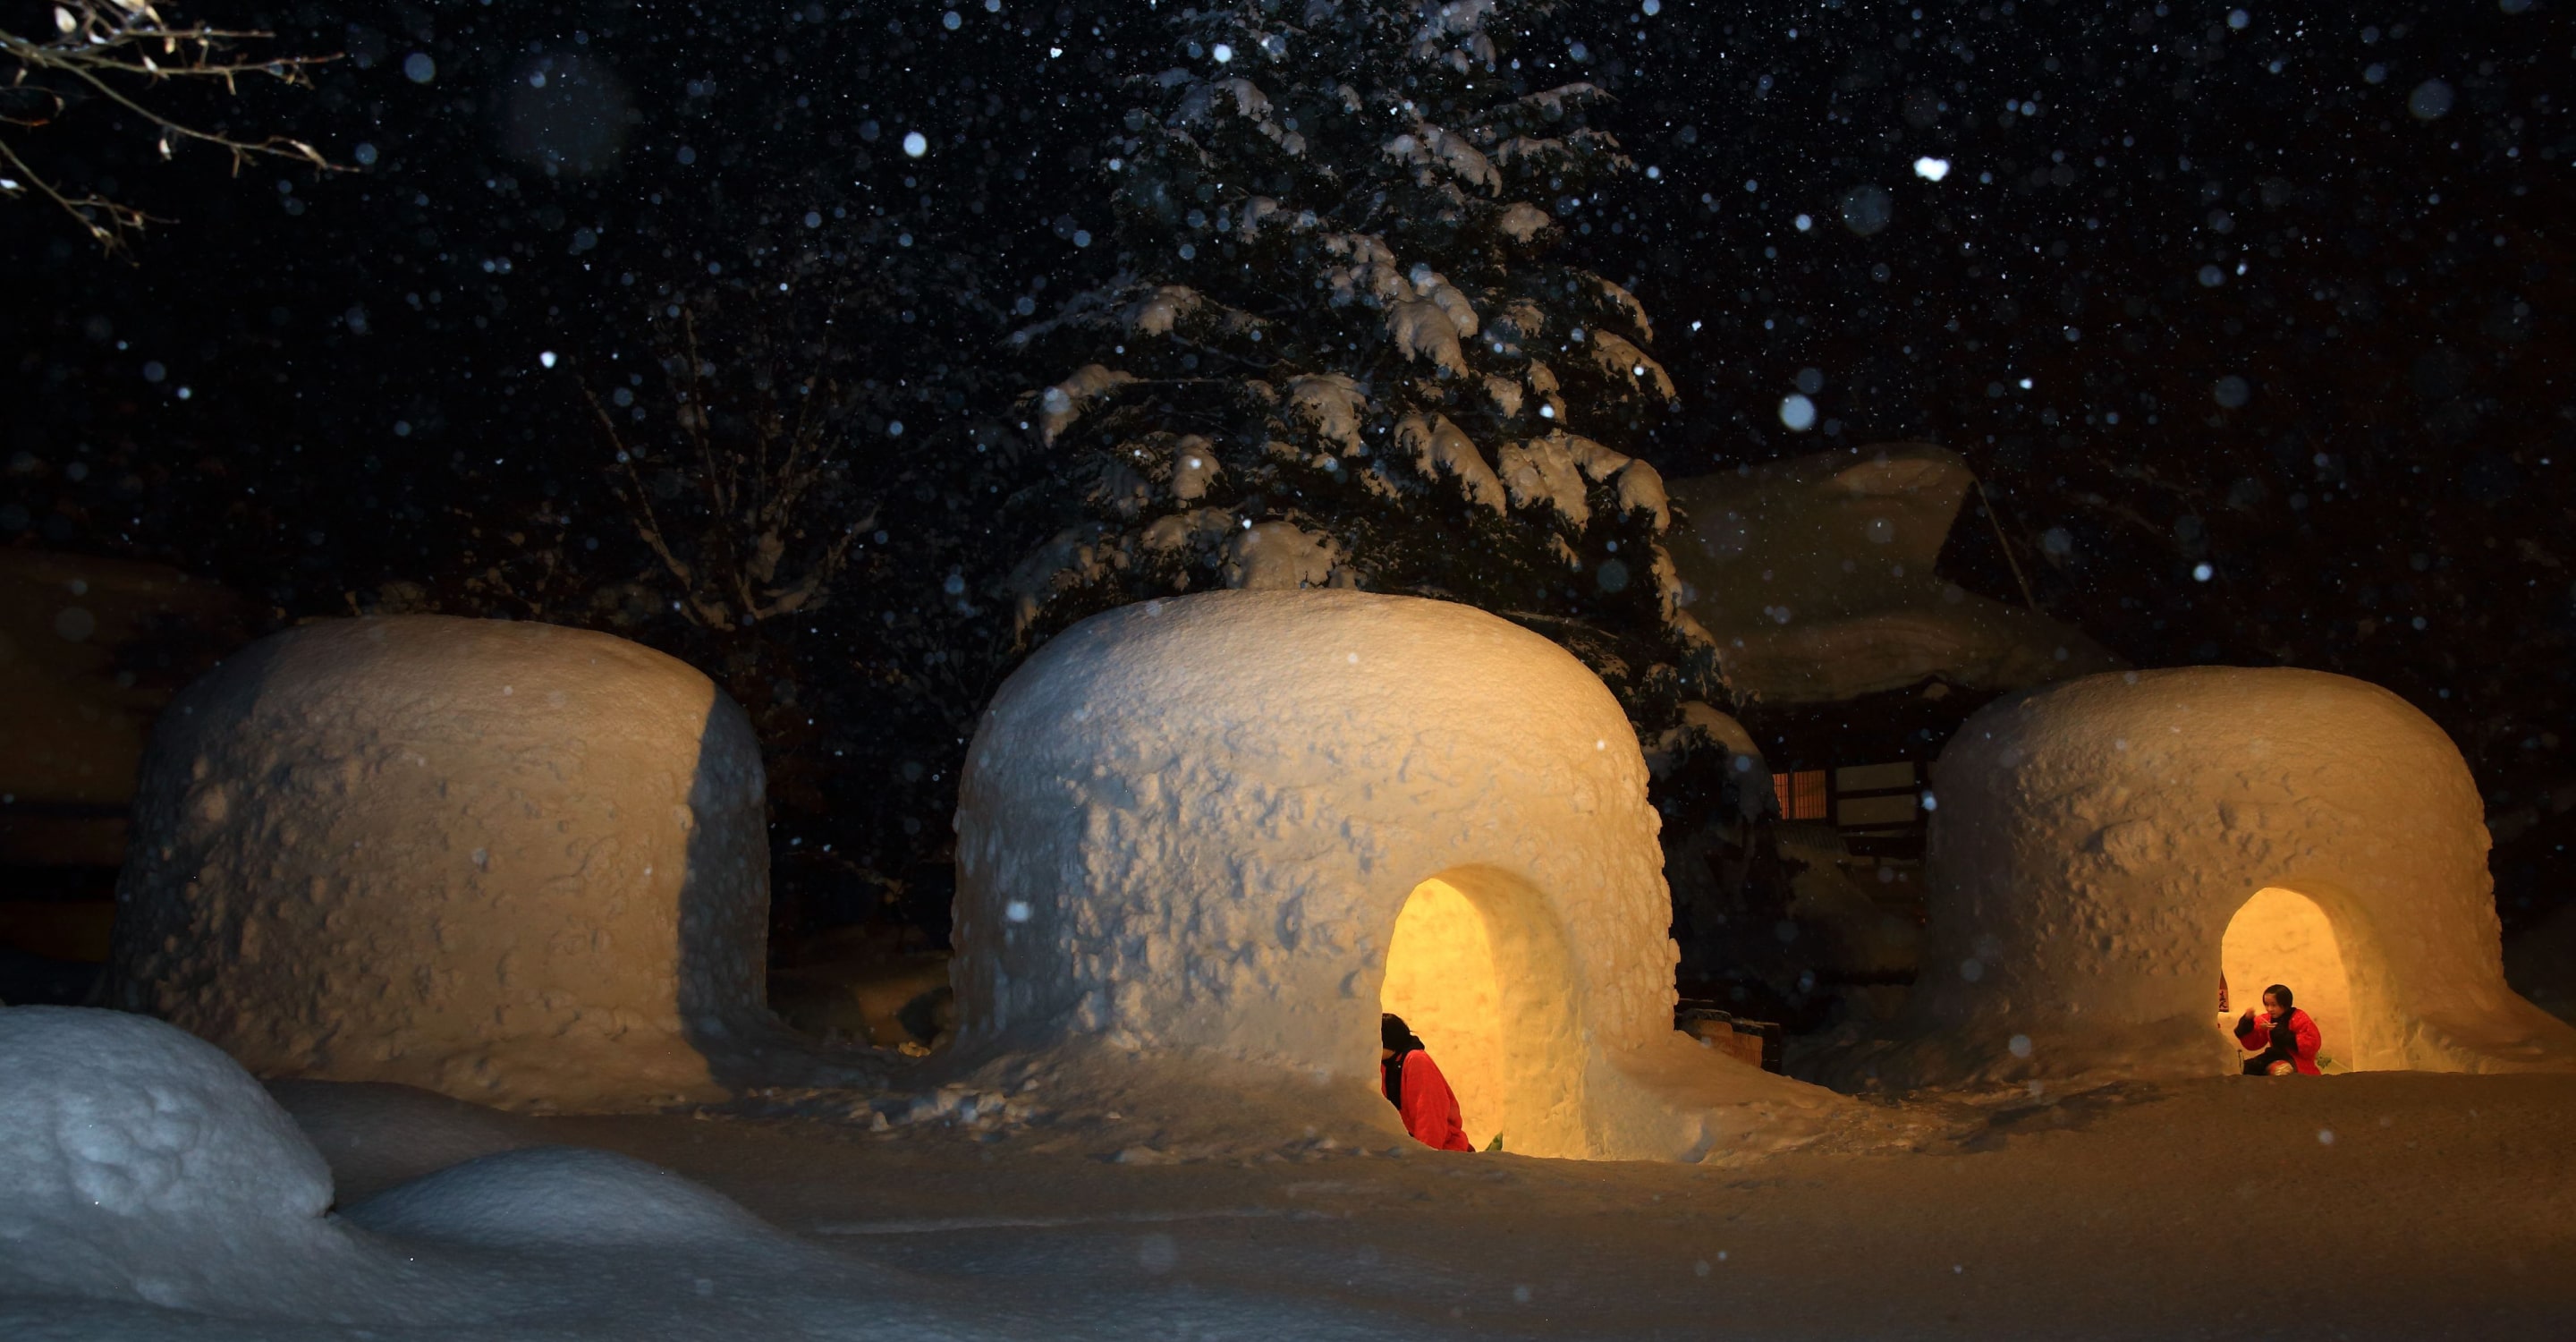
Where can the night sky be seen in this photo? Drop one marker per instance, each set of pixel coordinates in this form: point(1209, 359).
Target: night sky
point(2254, 320)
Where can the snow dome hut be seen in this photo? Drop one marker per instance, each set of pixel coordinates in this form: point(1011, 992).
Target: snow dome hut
point(520, 864)
point(2108, 851)
point(1235, 826)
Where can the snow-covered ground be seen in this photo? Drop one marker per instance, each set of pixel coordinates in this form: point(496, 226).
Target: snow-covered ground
point(2396, 1205)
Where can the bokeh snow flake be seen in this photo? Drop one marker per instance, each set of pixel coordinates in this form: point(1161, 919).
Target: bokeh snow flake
point(1867, 208)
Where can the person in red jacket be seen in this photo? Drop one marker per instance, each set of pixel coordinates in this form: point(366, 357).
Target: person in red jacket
point(2283, 1039)
point(1415, 1087)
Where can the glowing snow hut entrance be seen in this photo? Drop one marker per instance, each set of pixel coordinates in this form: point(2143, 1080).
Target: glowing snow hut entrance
point(2282, 936)
point(1186, 831)
point(1479, 970)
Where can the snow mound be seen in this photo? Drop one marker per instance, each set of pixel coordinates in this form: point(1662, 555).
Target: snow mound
point(150, 1189)
point(2107, 852)
point(1190, 826)
point(138, 1162)
point(501, 860)
point(560, 1197)
point(376, 1134)
point(120, 1115)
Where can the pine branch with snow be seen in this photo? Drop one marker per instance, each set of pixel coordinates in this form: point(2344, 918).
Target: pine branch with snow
point(1342, 348)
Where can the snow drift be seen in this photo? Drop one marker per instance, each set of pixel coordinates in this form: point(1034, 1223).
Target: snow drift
point(560, 1196)
point(149, 1188)
point(139, 1164)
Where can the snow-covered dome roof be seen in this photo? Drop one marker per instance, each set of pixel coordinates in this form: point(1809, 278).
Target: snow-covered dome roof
point(2105, 850)
point(1191, 826)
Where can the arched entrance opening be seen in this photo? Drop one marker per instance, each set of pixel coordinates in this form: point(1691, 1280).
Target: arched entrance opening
point(2282, 936)
point(1477, 966)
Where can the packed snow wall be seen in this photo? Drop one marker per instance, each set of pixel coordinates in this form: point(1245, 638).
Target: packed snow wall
point(2096, 841)
point(1188, 827)
point(520, 864)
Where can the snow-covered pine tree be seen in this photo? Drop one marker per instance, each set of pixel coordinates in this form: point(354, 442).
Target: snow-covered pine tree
point(1340, 349)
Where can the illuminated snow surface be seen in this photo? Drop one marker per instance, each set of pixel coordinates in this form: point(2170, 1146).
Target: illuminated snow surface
point(2100, 843)
point(2420, 1206)
point(1188, 829)
point(558, 834)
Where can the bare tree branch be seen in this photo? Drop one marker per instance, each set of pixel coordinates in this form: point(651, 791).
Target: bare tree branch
point(757, 493)
point(100, 46)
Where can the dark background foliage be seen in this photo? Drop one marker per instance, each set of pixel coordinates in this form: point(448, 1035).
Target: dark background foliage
point(329, 391)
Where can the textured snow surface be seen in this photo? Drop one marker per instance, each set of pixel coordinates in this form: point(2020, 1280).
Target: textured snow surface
point(1990, 1219)
point(505, 861)
point(149, 1188)
point(1190, 825)
point(139, 1162)
point(2094, 840)
point(558, 1195)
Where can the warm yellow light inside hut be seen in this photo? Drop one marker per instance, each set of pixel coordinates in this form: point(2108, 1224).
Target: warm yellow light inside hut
point(1440, 977)
point(2282, 936)
point(1477, 965)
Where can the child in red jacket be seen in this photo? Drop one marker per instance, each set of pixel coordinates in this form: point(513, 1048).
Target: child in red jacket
point(2283, 1039)
point(1413, 1084)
